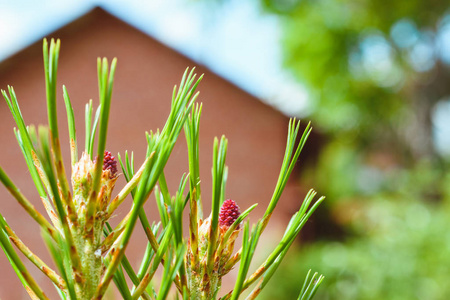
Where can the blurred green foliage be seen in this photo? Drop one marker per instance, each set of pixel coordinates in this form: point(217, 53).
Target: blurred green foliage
point(375, 71)
point(398, 248)
point(372, 68)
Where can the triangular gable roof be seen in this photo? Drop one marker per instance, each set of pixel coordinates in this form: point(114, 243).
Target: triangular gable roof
point(97, 15)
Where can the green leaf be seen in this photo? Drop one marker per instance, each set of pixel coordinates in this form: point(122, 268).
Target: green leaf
point(23, 274)
point(218, 178)
point(72, 128)
point(310, 286)
point(62, 262)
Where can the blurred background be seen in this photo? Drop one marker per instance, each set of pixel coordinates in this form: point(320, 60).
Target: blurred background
point(373, 76)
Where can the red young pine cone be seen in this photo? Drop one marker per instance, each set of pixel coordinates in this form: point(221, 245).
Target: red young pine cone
point(109, 163)
point(229, 212)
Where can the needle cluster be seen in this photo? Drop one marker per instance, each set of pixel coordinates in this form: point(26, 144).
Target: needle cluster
point(89, 253)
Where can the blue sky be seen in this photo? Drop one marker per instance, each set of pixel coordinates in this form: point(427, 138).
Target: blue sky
point(238, 42)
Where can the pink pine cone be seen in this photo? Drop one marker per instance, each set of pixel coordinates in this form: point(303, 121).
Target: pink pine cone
point(229, 212)
point(109, 163)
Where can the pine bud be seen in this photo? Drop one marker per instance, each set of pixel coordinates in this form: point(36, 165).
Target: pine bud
point(82, 179)
point(229, 212)
point(109, 163)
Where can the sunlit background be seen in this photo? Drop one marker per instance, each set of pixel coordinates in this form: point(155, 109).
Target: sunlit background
point(374, 78)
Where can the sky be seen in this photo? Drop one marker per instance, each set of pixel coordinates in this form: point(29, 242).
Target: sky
point(237, 42)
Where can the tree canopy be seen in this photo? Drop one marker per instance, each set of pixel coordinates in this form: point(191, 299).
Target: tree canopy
point(374, 68)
